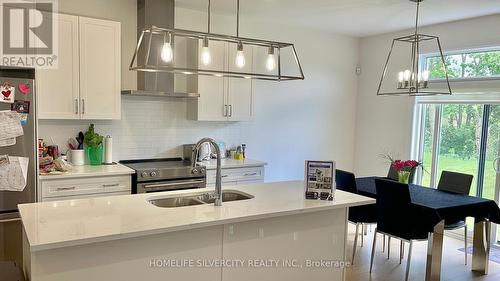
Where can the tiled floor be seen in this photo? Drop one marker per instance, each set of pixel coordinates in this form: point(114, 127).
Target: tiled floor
point(453, 268)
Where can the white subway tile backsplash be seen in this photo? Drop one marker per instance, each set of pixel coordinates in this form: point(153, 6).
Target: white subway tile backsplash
point(151, 128)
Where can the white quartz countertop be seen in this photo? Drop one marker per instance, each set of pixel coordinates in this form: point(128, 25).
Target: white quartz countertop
point(59, 224)
point(228, 163)
point(90, 171)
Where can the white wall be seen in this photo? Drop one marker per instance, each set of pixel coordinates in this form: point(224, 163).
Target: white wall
point(295, 121)
point(384, 123)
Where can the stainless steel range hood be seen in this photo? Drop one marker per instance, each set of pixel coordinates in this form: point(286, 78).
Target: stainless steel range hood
point(160, 13)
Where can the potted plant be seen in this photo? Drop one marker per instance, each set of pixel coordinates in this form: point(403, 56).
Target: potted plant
point(405, 169)
point(93, 146)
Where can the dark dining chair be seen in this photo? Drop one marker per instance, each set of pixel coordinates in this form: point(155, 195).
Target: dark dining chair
point(360, 215)
point(456, 183)
point(397, 217)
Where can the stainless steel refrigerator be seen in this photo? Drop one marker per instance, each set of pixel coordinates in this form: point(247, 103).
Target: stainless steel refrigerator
point(22, 83)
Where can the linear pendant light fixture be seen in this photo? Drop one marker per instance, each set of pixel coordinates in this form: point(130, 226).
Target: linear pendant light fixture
point(165, 59)
point(408, 77)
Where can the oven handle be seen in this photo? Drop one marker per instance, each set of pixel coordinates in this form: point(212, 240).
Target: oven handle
point(172, 184)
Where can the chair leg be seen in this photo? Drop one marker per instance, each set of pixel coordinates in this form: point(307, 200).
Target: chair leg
point(408, 261)
point(388, 247)
point(383, 243)
point(355, 243)
point(362, 234)
point(373, 249)
point(465, 244)
point(401, 251)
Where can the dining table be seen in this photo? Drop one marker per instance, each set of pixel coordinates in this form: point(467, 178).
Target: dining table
point(437, 207)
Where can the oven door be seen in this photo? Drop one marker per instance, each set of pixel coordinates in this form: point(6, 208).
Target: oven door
point(171, 185)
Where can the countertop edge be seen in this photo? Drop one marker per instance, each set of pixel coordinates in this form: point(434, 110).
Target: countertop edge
point(84, 241)
point(72, 175)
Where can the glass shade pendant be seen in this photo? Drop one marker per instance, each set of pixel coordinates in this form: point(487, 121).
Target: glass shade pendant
point(240, 56)
point(167, 53)
point(412, 77)
point(271, 61)
point(206, 57)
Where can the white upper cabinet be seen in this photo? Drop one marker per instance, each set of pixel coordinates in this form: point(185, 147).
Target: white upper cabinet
point(100, 65)
point(223, 98)
point(58, 89)
point(87, 82)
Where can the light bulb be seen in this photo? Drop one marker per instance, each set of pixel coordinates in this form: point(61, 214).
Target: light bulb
point(240, 56)
point(271, 62)
point(407, 75)
point(206, 58)
point(401, 77)
point(166, 52)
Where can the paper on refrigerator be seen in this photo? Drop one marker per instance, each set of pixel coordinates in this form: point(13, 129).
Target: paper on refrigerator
point(14, 175)
point(10, 127)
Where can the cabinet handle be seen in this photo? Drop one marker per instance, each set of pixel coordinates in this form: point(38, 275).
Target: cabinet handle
point(230, 110)
point(66, 188)
point(250, 174)
point(111, 185)
point(224, 176)
point(76, 106)
point(225, 110)
point(83, 106)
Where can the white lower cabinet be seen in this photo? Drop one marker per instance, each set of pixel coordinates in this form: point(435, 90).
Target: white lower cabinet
point(284, 248)
point(237, 176)
point(288, 248)
point(62, 189)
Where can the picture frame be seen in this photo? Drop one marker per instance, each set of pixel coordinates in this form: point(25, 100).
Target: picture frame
point(319, 179)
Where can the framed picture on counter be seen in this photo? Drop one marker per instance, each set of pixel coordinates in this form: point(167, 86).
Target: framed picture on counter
point(319, 179)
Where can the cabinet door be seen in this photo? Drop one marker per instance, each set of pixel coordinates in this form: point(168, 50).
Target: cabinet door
point(239, 90)
point(212, 101)
point(100, 66)
point(58, 89)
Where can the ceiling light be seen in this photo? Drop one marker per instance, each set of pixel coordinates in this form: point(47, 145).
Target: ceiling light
point(206, 58)
point(240, 56)
point(150, 63)
point(411, 77)
point(271, 62)
point(167, 53)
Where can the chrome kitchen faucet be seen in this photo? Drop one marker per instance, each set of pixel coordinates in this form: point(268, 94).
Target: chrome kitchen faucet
point(218, 176)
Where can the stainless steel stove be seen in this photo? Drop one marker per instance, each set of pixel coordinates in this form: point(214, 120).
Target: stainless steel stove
point(166, 174)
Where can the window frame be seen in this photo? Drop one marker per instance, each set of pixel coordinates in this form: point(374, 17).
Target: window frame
point(424, 57)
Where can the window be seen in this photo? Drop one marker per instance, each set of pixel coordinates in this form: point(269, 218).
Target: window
point(460, 137)
point(465, 65)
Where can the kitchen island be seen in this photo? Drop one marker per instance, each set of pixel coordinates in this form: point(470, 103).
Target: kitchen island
point(274, 235)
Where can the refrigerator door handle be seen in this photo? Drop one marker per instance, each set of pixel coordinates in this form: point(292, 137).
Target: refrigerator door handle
point(10, 220)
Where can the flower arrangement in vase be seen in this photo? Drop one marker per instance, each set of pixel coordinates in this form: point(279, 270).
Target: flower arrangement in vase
point(405, 168)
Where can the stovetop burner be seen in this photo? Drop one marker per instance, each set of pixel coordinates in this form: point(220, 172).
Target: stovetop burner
point(163, 169)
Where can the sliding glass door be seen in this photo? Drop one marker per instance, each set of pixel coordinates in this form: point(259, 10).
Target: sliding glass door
point(461, 138)
point(491, 179)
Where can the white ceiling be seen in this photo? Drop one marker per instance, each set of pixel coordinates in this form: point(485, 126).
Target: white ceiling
point(352, 17)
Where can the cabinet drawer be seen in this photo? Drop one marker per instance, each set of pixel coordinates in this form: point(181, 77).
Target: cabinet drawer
point(83, 186)
point(237, 174)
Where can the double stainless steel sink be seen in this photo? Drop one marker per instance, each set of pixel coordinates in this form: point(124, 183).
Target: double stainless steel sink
point(198, 199)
